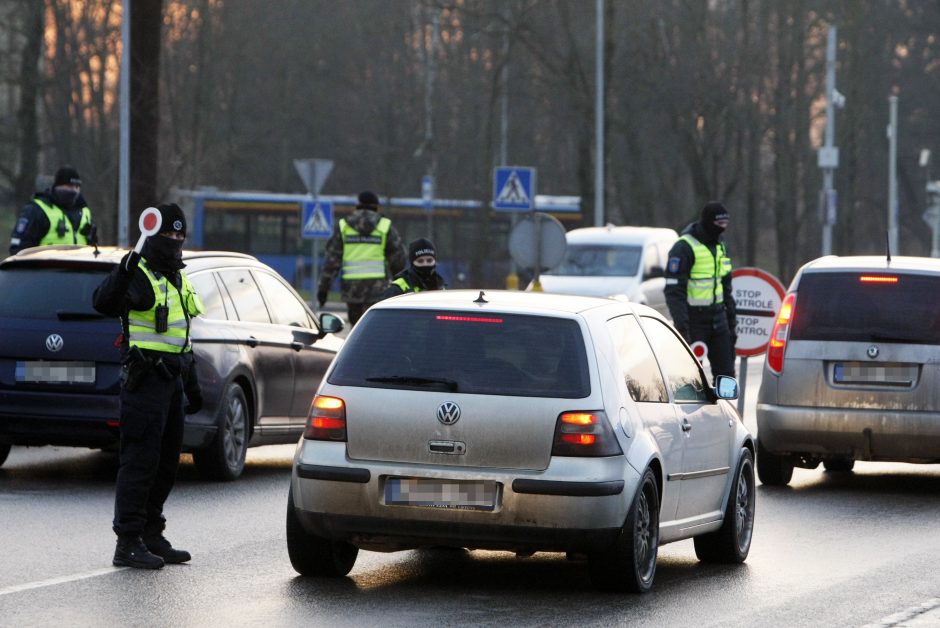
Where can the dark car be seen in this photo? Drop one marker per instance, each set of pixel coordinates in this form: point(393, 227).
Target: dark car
point(260, 354)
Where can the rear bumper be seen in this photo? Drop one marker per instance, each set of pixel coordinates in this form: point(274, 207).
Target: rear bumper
point(59, 419)
point(859, 434)
point(574, 505)
point(72, 420)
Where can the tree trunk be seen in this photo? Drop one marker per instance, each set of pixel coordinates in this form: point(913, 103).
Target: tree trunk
point(26, 116)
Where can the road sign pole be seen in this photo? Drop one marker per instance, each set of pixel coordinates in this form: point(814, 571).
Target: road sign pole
point(742, 381)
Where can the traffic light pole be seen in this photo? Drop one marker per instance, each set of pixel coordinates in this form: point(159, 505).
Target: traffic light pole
point(829, 154)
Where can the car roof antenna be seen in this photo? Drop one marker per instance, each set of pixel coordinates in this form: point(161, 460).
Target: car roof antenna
point(480, 299)
point(888, 245)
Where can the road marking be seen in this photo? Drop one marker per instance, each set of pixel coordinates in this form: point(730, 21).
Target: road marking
point(60, 580)
point(903, 617)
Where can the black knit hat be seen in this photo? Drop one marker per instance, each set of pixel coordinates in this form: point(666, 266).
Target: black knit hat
point(173, 218)
point(419, 247)
point(67, 175)
point(713, 211)
point(368, 200)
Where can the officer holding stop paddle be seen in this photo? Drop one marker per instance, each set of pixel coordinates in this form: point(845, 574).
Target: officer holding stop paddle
point(156, 301)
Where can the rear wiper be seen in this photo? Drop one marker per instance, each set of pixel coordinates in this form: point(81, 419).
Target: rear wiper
point(417, 381)
point(78, 316)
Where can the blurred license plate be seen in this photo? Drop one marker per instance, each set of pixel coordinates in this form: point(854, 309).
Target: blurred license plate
point(436, 493)
point(55, 372)
point(862, 373)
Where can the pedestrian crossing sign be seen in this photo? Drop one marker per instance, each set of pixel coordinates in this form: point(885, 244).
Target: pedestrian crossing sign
point(514, 188)
point(317, 219)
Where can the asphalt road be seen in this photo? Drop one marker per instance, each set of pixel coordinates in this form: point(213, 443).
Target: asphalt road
point(830, 550)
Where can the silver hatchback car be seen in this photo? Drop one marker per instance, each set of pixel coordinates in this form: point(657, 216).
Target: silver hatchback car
point(853, 368)
point(522, 422)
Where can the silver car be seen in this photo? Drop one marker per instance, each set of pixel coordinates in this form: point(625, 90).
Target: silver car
point(522, 422)
point(853, 368)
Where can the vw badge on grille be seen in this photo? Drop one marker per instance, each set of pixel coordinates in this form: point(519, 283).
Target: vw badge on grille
point(54, 342)
point(448, 413)
point(873, 351)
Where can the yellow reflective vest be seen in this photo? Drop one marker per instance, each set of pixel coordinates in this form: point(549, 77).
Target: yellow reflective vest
point(182, 304)
point(56, 216)
point(364, 255)
point(705, 276)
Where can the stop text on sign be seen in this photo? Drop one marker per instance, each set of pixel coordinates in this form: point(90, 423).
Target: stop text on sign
point(757, 296)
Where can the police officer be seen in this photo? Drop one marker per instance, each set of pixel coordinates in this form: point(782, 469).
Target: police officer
point(58, 215)
point(698, 288)
point(156, 302)
point(421, 273)
point(368, 250)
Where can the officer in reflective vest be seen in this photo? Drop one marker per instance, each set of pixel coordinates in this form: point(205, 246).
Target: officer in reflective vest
point(156, 303)
point(364, 250)
point(698, 288)
point(421, 273)
point(58, 215)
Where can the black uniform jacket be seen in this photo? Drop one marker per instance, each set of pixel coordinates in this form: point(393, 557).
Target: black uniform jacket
point(33, 225)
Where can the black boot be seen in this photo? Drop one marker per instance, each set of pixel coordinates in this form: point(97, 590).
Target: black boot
point(162, 548)
point(131, 552)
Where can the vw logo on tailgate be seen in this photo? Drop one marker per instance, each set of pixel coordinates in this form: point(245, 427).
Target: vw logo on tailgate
point(54, 342)
point(448, 413)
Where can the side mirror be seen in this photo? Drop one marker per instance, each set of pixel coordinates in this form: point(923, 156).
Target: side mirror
point(654, 272)
point(726, 387)
point(330, 324)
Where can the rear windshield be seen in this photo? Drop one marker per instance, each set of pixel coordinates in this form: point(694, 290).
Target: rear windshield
point(466, 352)
point(599, 260)
point(48, 293)
point(885, 307)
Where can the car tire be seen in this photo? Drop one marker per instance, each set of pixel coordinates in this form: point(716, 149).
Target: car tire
point(839, 465)
point(312, 555)
point(630, 564)
point(773, 470)
point(4, 452)
point(224, 458)
point(732, 541)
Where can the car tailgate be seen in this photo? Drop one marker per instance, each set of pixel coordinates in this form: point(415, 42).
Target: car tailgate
point(491, 430)
point(860, 375)
point(49, 355)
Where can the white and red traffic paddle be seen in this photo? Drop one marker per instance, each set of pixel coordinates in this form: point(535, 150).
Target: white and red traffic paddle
point(149, 223)
point(699, 350)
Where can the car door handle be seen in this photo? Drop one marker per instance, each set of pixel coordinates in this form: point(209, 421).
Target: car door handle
point(686, 426)
point(296, 346)
point(252, 341)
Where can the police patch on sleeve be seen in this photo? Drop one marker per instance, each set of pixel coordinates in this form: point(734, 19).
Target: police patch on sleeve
point(673, 265)
point(21, 224)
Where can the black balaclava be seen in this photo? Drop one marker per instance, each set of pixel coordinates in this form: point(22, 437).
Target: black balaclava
point(710, 213)
point(65, 197)
point(418, 248)
point(165, 254)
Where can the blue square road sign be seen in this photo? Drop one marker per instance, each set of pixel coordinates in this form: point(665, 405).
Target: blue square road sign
point(514, 188)
point(317, 219)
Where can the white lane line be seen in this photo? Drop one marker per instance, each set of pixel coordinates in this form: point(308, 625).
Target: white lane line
point(60, 580)
point(901, 618)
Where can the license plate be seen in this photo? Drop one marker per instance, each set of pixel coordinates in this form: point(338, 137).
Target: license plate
point(437, 493)
point(862, 373)
point(55, 372)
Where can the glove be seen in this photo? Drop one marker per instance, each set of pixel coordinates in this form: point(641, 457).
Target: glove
point(321, 297)
point(193, 402)
point(129, 263)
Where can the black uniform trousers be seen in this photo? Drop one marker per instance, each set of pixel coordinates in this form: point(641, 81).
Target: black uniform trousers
point(151, 440)
point(710, 325)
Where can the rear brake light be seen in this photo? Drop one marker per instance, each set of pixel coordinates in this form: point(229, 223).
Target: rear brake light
point(584, 434)
point(780, 334)
point(327, 419)
point(468, 319)
point(878, 279)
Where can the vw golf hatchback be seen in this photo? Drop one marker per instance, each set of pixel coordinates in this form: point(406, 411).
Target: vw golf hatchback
point(853, 368)
point(522, 422)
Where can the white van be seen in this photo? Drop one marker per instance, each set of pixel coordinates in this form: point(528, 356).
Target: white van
point(619, 262)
